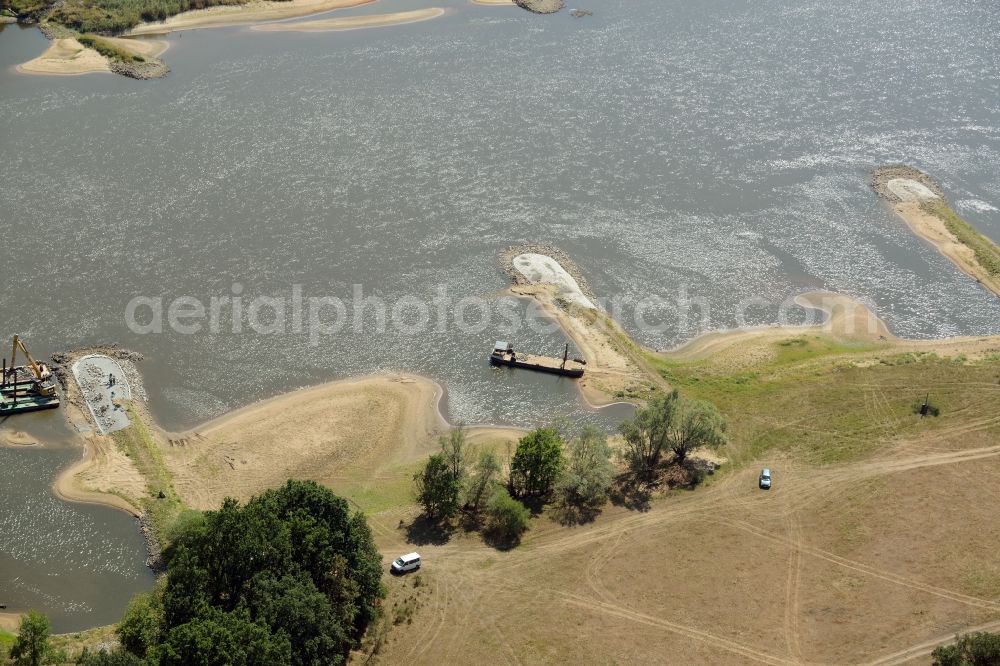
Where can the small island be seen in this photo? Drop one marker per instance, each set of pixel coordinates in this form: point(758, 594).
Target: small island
point(921, 203)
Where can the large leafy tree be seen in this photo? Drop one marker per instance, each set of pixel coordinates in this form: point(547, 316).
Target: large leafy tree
point(978, 649)
point(292, 577)
point(217, 638)
point(537, 463)
point(670, 422)
point(32, 646)
point(437, 488)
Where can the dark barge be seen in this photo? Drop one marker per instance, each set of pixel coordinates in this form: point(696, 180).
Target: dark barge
point(504, 355)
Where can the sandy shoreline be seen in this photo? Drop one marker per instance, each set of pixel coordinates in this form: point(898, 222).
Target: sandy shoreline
point(340, 433)
point(844, 317)
point(256, 11)
point(353, 22)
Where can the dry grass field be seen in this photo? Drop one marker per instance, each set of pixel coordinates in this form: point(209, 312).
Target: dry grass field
point(877, 542)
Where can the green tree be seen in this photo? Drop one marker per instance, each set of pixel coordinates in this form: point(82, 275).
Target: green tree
point(537, 463)
point(978, 649)
point(583, 486)
point(216, 638)
point(32, 646)
point(293, 563)
point(292, 605)
point(486, 474)
point(437, 488)
point(670, 422)
point(139, 628)
point(506, 519)
point(455, 450)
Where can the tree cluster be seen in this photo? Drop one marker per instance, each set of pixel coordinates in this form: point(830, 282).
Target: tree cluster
point(669, 423)
point(291, 577)
point(978, 649)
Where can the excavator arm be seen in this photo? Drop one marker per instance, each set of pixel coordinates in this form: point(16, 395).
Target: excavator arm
point(35, 368)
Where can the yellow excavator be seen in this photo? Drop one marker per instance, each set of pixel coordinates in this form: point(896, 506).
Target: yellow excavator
point(42, 375)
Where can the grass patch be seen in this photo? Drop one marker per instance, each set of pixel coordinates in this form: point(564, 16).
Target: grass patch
point(117, 16)
point(986, 252)
point(981, 582)
point(7, 638)
point(162, 503)
point(816, 397)
point(108, 49)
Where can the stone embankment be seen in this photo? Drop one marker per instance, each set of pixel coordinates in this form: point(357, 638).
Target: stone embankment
point(541, 6)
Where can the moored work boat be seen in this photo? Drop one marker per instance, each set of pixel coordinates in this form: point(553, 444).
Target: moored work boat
point(504, 355)
point(26, 388)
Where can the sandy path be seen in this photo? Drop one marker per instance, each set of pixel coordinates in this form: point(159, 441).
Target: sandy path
point(354, 22)
point(932, 229)
point(256, 11)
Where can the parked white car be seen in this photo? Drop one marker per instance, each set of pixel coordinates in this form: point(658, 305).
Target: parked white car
point(765, 479)
point(406, 563)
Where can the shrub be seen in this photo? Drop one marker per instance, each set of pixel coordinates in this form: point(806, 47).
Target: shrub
point(506, 519)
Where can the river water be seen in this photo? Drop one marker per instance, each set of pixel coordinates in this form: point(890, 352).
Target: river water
point(715, 153)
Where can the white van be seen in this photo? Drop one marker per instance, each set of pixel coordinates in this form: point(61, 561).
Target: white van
point(405, 563)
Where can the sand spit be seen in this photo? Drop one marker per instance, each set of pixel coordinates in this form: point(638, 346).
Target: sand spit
point(541, 6)
point(256, 11)
point(843, 317)
point(66, 57)
point(919, 201)
point(615, 368)
point(341, 433)
point(354, 22)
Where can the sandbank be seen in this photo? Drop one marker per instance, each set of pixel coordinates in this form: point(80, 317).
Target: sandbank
point(66, 57)
point(343, 434)
point(354, 22)
point(256, 11)
point(844, 317)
